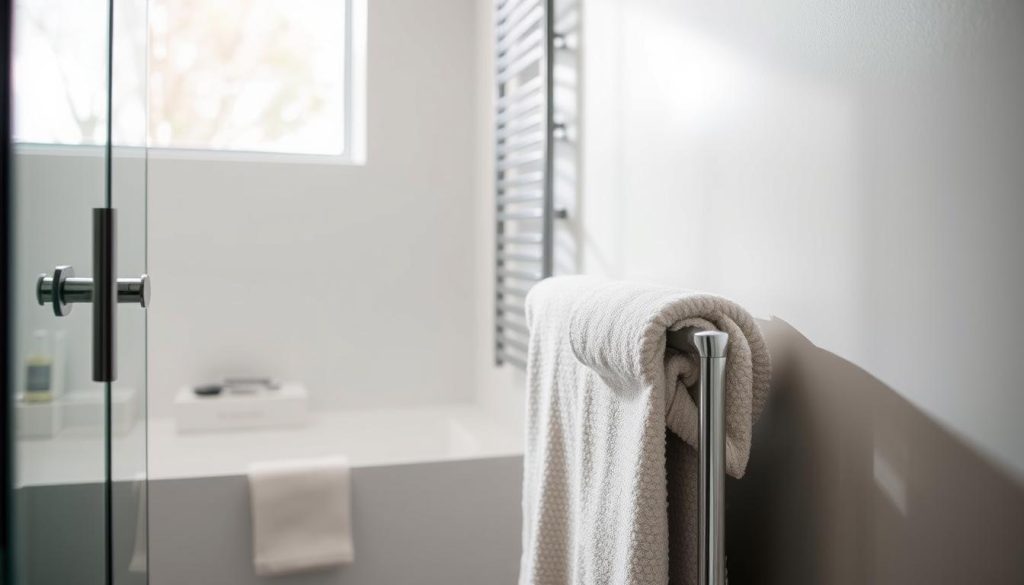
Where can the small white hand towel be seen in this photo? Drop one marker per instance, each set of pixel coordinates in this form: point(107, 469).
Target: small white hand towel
point(301, 515)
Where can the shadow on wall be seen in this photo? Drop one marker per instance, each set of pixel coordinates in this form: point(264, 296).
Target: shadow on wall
point(850, 483)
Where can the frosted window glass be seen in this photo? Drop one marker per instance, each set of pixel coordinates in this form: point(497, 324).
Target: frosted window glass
point(248, 75)
point(232, 75)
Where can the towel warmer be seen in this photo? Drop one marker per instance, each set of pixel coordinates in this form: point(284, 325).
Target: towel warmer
point(525, 134)
point(710, 347)
point(525, 131)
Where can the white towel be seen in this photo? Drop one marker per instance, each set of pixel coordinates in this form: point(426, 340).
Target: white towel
point(609, 497)
point(301, 515)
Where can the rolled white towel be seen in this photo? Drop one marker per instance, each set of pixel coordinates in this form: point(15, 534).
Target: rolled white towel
point(603, 386)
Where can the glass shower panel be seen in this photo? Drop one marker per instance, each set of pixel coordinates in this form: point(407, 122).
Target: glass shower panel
point(59, 175)
point(129, 530)
point(78, 445)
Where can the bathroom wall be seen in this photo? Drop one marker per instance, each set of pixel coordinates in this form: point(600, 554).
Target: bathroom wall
point(351, 278)
point(853, 170)
point(852, 173)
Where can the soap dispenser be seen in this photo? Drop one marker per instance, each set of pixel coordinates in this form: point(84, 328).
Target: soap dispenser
point(39, 369)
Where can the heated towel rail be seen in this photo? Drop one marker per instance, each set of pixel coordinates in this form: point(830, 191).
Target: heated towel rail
point(525, 134)
point(524, 150)
point(710, 347)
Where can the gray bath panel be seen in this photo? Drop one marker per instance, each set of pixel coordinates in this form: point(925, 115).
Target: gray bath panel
point(445, 523)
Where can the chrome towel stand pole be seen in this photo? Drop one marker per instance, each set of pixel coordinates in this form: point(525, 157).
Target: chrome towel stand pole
point(711, 349)
point(711, 346)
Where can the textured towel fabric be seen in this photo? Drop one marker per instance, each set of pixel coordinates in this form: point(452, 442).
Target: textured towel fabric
point(301, 514)
point(609, 497)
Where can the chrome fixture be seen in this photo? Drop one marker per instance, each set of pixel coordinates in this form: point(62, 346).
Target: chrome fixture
point(710, 348)
point(62, 290)
point(71, 290)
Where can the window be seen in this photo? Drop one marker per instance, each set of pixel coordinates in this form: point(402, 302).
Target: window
point(249, 75)
point(59, 72)
point(223, 75)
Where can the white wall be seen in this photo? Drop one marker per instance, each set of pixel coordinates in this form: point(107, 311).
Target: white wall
point(863, 160)
point(851, 168)
point(353, 279)
point(851, 172)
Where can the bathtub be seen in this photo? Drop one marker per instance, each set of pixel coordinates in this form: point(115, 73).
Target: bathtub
point(436, 497)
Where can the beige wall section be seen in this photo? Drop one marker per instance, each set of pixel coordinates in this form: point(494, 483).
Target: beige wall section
point(849, 483)
point(852, 171)
point(352, 279)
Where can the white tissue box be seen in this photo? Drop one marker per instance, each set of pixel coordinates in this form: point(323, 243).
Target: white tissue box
point(283, 407)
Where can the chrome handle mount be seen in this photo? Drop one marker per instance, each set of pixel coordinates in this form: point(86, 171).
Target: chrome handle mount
point(63, 290)
point(104, 291)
